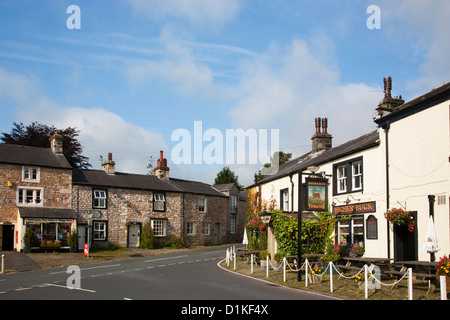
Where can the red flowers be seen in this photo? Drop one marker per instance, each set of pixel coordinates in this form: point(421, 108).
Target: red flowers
point(401, 217)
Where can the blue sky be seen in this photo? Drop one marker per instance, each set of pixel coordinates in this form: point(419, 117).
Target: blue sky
point(138, 70)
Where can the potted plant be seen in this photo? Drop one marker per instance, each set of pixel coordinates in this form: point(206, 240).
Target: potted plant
point(28, 239)
point(400, 217)
point(278, 258)
point(443, 270)
point(72, 240)
point(263, 258)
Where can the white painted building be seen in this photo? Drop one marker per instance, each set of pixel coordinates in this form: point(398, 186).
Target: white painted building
point(397, 166)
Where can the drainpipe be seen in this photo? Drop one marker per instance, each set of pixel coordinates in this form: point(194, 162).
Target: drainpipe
point(386, 128)
point(292, 192)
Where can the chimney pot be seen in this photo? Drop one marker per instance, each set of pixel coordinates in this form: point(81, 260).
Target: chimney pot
point(317, 125)
point(324, 125)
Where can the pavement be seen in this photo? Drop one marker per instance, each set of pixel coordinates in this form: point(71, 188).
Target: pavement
point(18, 262)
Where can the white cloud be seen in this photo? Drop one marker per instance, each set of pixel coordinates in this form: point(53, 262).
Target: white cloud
point(197, 13)
point(101, 131)
point(422, 26)
point(288, 87)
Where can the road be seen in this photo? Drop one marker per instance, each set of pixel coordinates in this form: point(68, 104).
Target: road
point(192, 275)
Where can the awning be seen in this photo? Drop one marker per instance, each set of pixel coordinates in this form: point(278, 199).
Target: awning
point(45, 214)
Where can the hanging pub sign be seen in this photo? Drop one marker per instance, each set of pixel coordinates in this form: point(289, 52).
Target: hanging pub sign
point(316, 194)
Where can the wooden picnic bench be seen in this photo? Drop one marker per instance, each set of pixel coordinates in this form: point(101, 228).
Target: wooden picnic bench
point(419, 271)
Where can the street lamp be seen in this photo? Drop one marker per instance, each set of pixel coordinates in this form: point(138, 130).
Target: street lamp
point(265, 217)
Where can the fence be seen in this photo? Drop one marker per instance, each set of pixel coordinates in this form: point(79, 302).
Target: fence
point(375, 277)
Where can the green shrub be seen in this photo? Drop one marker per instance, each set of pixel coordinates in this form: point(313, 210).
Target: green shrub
point(174, 242)
point(147, 240)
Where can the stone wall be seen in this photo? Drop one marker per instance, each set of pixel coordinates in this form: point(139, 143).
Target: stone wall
point(56, 184)
point(129, 206)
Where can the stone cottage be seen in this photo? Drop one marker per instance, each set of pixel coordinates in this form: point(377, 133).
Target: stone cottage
point(114, 206)
point(35, 192)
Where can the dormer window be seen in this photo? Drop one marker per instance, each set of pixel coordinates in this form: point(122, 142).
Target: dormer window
point(31, 174)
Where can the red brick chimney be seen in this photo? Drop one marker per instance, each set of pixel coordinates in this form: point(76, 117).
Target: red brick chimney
point(162, 170)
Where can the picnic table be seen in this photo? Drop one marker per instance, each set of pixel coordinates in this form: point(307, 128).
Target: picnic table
point(356, 263)
point(421, 269)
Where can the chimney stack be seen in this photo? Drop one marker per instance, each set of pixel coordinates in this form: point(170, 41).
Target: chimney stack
point(56, 143)
point(389, 103)
point(162, 170)
point(321, 140)
point(109, 166)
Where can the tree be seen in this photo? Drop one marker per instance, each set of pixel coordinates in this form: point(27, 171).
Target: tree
point(38, 135)
point(227, 176)
point(282, 158)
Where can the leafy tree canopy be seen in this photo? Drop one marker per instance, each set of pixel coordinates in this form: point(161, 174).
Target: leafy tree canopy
point(38, 135)
point(282, 158)
point(226, 176)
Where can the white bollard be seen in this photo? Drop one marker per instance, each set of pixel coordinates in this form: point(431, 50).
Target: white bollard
point(331, 276)
point(443, 287)
point(366, 282)
point(251, 263)
point(3, 263)
point(235, 261)
point(227, 256)
point(410, 284)
point(306, 272)
point(267, 266)
point(284, 269)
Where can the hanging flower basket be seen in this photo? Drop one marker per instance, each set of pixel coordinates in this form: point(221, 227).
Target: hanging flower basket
point(400, 217)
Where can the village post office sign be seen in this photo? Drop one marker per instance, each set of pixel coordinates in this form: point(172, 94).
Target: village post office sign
point(365, 207)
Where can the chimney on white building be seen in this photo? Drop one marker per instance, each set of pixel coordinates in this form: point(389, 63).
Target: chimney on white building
point(321, 140)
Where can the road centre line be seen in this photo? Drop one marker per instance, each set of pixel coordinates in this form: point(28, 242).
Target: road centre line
point(165, 258)
point(91, 268)
point(66, 287)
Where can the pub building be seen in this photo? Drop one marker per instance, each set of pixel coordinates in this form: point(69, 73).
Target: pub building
point(401, 164)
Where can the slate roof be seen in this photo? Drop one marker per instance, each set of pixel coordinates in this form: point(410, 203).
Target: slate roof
point(46, 212)
point(313, 159)
point(32, 156)
point(141, 182)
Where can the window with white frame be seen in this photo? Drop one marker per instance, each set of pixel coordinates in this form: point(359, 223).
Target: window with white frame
point(99, 230)
point(351, 231)
point(159, 202)
point(31, 174)
point(233, 224)
point(348, 176)
point(206, 228)
point(30, 196)
point(356, 175)
point(342, 179)
point(191, 228)
point(159, 227)
point(284, 199)
point(202, 205)
point(99, 199)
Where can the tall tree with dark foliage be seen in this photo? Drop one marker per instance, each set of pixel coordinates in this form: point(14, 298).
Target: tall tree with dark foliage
point(38, 135)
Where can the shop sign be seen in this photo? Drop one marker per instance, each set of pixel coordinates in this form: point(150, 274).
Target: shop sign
point(317, 194)
point(365, 207)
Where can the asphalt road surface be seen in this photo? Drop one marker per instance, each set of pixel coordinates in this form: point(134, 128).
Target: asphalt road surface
point(192, 276)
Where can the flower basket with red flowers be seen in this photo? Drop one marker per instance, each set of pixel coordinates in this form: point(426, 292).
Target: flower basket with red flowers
point(401, 217)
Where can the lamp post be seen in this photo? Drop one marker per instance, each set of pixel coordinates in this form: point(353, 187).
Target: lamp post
point(265, 217)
